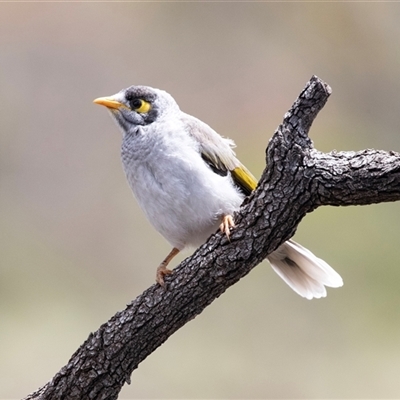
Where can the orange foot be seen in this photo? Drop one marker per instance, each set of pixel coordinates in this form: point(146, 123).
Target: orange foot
point(226, 225)
point(162, 269)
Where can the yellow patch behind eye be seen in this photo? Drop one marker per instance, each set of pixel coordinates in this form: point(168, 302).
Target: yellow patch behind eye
point(144, 108)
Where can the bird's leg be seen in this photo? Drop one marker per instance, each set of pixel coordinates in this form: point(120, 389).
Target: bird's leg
point(162, 269)
point(226, 225)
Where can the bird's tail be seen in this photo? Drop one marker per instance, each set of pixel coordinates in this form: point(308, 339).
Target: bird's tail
point(305, 273)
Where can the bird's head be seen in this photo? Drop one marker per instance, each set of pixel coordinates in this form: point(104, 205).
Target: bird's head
point(139, 106)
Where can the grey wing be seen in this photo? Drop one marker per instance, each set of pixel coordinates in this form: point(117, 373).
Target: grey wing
point(215, 150)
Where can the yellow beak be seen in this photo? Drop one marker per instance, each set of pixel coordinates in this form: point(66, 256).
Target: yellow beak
point(109, 103)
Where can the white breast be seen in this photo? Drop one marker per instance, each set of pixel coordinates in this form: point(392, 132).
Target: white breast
point(180, 195)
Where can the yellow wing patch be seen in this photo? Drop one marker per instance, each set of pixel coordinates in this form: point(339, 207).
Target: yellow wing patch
point(244, 179)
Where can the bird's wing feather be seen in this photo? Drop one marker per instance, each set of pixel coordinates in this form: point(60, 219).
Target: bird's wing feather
point(218, 153)
point(244, 179)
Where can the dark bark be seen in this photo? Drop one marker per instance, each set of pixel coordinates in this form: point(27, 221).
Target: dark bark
point(298, 179)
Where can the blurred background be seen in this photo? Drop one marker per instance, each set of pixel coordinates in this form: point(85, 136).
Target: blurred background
point(75, 248)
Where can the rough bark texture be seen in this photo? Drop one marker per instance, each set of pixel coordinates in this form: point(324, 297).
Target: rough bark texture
point(298, 179)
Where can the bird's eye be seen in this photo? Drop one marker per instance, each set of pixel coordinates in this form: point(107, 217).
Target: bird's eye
point(140, 106)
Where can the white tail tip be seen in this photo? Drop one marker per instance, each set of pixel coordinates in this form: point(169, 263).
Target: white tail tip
point(305, 273)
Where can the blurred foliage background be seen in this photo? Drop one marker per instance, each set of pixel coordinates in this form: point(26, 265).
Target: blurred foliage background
point(75, 247)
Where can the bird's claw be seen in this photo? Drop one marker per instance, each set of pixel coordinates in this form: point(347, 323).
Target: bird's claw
point(226, 225)
point(162, 271)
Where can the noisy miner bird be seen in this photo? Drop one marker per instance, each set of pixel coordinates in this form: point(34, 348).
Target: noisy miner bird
point(189, 183)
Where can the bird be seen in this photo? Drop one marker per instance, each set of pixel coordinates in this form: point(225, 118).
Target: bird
point(189, 183)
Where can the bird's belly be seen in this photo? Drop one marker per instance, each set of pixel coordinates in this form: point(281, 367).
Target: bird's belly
point(184, 203)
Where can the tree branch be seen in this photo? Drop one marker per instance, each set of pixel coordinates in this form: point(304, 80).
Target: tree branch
point(298, 180)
